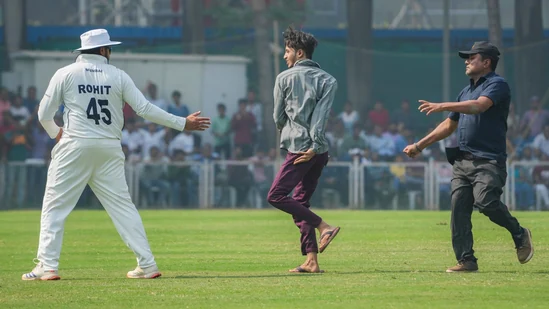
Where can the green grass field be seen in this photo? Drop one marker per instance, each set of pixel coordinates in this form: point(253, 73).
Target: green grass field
point(239, 259)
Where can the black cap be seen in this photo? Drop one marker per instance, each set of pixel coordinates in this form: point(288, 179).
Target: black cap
point(482, 47)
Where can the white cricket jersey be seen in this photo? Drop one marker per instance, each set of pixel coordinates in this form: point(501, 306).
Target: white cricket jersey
point(94, 93)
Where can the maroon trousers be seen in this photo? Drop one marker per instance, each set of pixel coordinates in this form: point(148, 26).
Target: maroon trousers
point(303, 179)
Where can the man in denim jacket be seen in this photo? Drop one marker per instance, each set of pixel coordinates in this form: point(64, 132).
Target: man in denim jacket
point(303, 97)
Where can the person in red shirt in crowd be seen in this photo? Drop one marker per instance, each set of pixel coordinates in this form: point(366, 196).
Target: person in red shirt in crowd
point(5, 103)
point(379, 115)
point(243, 125)
point(128, 112)
point(6, 125)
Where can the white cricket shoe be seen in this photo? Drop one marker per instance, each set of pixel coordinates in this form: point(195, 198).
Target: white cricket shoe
point(39, 273)
point(147, 273)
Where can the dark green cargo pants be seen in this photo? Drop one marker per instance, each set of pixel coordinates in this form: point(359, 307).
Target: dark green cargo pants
point(479, 184)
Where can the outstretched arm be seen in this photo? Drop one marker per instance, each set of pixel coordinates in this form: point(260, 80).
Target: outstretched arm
point(494, 92)
point(143, 108)
point(466, 107)
point(442, 131)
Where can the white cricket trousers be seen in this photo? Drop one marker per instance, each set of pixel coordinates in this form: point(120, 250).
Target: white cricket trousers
point(99, 163)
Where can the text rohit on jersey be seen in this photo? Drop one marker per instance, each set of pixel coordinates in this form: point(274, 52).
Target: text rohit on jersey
point(96, 89)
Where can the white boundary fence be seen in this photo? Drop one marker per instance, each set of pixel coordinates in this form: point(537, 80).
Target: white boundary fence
point(211, 187)
point(537, 188)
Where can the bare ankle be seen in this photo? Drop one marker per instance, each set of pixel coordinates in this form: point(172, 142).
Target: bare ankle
point(311, 259)
point(323, 226)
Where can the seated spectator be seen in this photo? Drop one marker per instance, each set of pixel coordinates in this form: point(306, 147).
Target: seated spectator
point(7, 124)
point(273, 152)
point(40, 152)
point(381, 145)
point(398, 170)
point(332, 118)
point(182, 189)
point(534, 119)
point(152, 136)
point(19, 112)
point(530, 154)
point(202, 154)
point(513, 119)
point(19, 148)
point(206, 154)
point(410, 138)
point(403, 117)
point(239, 178)
point(402, 141)
point(151, 92)
point(541, 181)
point(335, 137)
point(351, 142)
point(524, 183)
point(31, 103)
point(527, 155)
point(169, 135)
point(3, 150)
point(381, 190)
point(349, 117)
point(5, 103)
point(444, 175)
point(379, 116)
point(415, 175)
point(541, 142)
point(133, 138)
point(176, 107)
point(333, 178)
point(198, 144)
point(153, 178)
point(517, 140)
point(255, 108)
point(184, 141)
point(262, 174)
point(415, 178)
point(126, 151)
point(394, 134)
point(368, 133)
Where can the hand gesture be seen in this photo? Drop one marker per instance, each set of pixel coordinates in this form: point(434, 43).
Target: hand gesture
point(411, 150)
point(196, 123)
point(429, 108)
point(305, 156)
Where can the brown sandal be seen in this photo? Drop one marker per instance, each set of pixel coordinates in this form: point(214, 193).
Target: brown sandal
point(300, 269)
point(326, 238)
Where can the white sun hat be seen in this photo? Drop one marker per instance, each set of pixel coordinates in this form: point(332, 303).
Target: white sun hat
point(96, 38)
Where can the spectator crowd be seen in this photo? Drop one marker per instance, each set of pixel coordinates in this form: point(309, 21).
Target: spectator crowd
point(168, 177)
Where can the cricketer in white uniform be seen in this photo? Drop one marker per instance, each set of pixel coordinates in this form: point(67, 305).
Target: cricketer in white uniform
point(89, 151)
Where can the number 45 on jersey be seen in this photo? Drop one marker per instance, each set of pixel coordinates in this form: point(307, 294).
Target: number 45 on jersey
point(94, 115)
